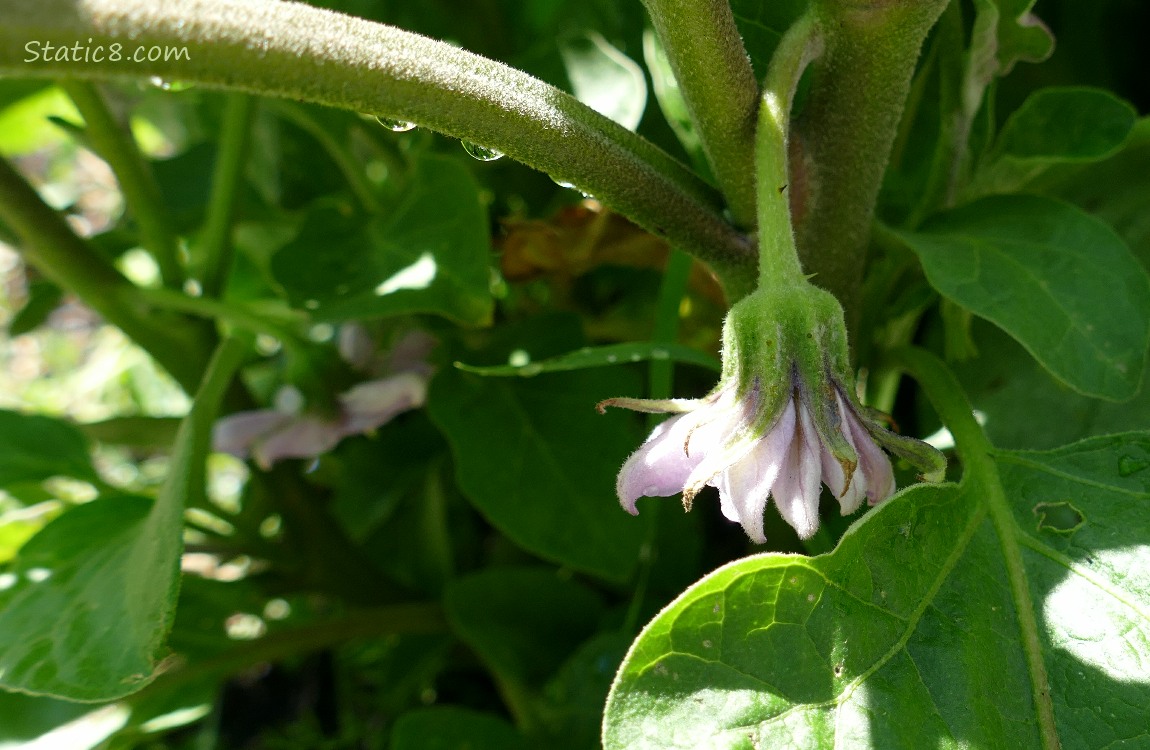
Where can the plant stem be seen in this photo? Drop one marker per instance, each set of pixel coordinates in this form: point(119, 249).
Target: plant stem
point(49, 244)
point(216, 243)
point(113, 142)
point(235, 313)
point(296, 51)
point(845, 132)
point(980, 474)
point(714, 74)
point(778, 256)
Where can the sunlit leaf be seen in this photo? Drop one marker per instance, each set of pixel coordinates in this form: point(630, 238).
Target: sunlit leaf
point(899, 636)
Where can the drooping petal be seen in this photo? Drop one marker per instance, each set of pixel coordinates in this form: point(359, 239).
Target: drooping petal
point(235, 433)
point(301, 437)
point(799, 484)
point(411, 352)
point(661, 465)
point(374, 403)
point(874, 466)
point(745, 487)
point(851, 490)
point(726, 437)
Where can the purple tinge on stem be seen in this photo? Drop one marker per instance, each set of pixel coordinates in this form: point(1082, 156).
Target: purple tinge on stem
point(715, 444)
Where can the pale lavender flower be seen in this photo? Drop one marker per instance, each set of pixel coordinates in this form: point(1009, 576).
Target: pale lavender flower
point(713, 444)
point(268, 435)
point(780, 423)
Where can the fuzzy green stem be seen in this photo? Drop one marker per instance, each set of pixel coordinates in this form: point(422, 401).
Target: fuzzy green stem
point(778, 256)
point(291, 50)
point(714, 74)
point(216, 244)
point(980, 473)
point(113, 142)
point(845, 133)
point(49, 244)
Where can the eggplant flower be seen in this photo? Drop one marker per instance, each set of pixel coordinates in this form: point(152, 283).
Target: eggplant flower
point(780, 423)
point(268, 435)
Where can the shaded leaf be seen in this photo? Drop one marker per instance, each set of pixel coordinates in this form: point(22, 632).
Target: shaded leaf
point(429, 255)
point(523, 622)
point(898, 637)
point(605, 79)
point(34, 448)
point(453, 728)
point(1056, 279)
point(535, 459)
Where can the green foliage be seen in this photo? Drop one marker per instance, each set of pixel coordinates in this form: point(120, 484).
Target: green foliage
point(1059, 281)
point(914, 615)
point(436, 558)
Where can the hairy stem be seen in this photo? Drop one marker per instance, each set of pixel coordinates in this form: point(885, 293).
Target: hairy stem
point(291, 50)
point(216, 244)
point(113, 142)
point(778, 257)
point(49, 244)
point(846, 130)
point(714, 73)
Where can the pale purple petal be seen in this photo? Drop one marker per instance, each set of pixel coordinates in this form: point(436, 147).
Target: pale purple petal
point(661, 465)
point(745, 487)
point(411, 353)
point(302, 437)
point(873, 463)
point(374, 403)
point(355, 346)
point(235, 433)
point(851, 495)
point(799, 484)
point(723, 436)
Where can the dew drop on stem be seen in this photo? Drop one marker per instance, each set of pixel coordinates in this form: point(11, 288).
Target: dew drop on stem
point(395, 126)
point(482, 153)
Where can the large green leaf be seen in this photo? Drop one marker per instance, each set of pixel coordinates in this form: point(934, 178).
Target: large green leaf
point(538, 462)
point(428, 255)
point(1056, 279)
point(983, 614)
point(34, 448)
point(87, 605)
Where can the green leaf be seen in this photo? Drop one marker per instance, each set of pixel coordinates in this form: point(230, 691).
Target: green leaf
point(1005, 33)
point(1056, 279)
point(523, 622)
point(910, 633)
point(601, 356)
point(452, 728)
point(605, 79)
point(1054, 126)
point(429, 255)
point(1024, 407)
point(533, 456)
point(671, 102)
point(90, 599)
point(1068, 124)
point(35, 448)
point(35, 723)
point(762, 24)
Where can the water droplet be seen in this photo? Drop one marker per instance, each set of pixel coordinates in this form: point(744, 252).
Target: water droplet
point(482, 153)
point(166, 85)
point(395, 126)
point(563, 183)
point(707, 644)
point(660, 353)
point(612, 358)
point(1128, 465)
point(636, 357)
point(810, 597)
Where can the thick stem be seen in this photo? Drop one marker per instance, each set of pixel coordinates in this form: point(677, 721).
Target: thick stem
point(216, 244)
point(845, 132)
point(296, 51)
point(113, 142)
point(778, 256)
point(49, 244)
point(714, 73)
